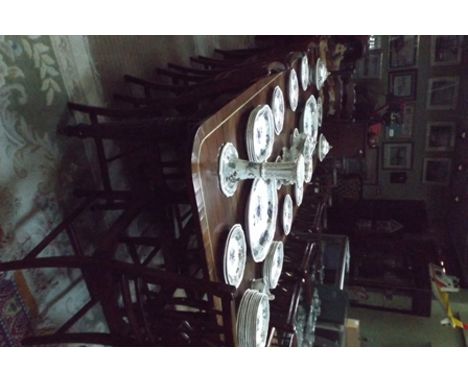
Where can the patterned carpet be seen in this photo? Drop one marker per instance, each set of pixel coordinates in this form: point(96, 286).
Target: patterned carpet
point(38, 170)
point(15, 320)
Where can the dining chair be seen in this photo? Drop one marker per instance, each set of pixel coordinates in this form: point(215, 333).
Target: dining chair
point(311, 217)
point(232, 80)
point(214, 63)
point(183, 78)
point(295, 286)
point(239, 53)
point(148, 130)
point(142, 306)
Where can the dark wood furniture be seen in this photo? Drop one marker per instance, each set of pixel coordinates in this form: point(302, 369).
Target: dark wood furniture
point(217, 213)
point(142, 306)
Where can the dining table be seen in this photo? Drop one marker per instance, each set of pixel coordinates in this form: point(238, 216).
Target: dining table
point(215, 212)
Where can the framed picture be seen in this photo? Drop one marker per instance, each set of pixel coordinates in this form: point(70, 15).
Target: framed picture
point(440, 136)
point(397, 156)
point(436, 171)
point(442, 93)
point(446, 50)
point(370, 66)
point(401, 124)
point(403, 51)
point(398, 177)
point(402, 84)
point(374, 42)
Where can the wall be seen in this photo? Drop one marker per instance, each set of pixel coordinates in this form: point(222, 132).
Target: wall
point(436, 196)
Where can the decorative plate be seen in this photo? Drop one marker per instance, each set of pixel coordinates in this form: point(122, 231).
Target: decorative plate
point(323, 147)
point(277, 106)
point(227, 156)
point(304, 72)
point(307, 120)
point(309, 170)
point(293, 90)
point(299, 186)
point(287, 215)
point(262, 211)
point(235, 256)
point(273, 264)
point(321, 73)
point(260, 133)
point(298, 193)
point(319, 111)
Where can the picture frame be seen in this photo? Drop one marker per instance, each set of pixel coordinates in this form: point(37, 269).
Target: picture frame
point(401, 124)
point(440, 136)
point(370, 66)
point(436, 171)
point(446, 50)
point(442, 93)
point(402, 85)
point(397, 156)
point(403, 51)
point(374, 42)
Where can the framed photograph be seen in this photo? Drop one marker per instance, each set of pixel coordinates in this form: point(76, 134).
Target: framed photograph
point(403, 51)
point(442, 93)
point(402, 85)
point(397, 156)
point(440, 136)
point(401, 124)
point(446, 50)
point(370, 66)
point(436, 171)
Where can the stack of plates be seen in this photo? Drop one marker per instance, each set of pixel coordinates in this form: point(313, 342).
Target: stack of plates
point(260, 133)
point(277, 106)
point(253, 318)
point(235, 256)
point(273, 264)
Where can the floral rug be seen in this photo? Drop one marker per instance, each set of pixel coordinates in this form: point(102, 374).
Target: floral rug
point(15, 320)
point(38, 170)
